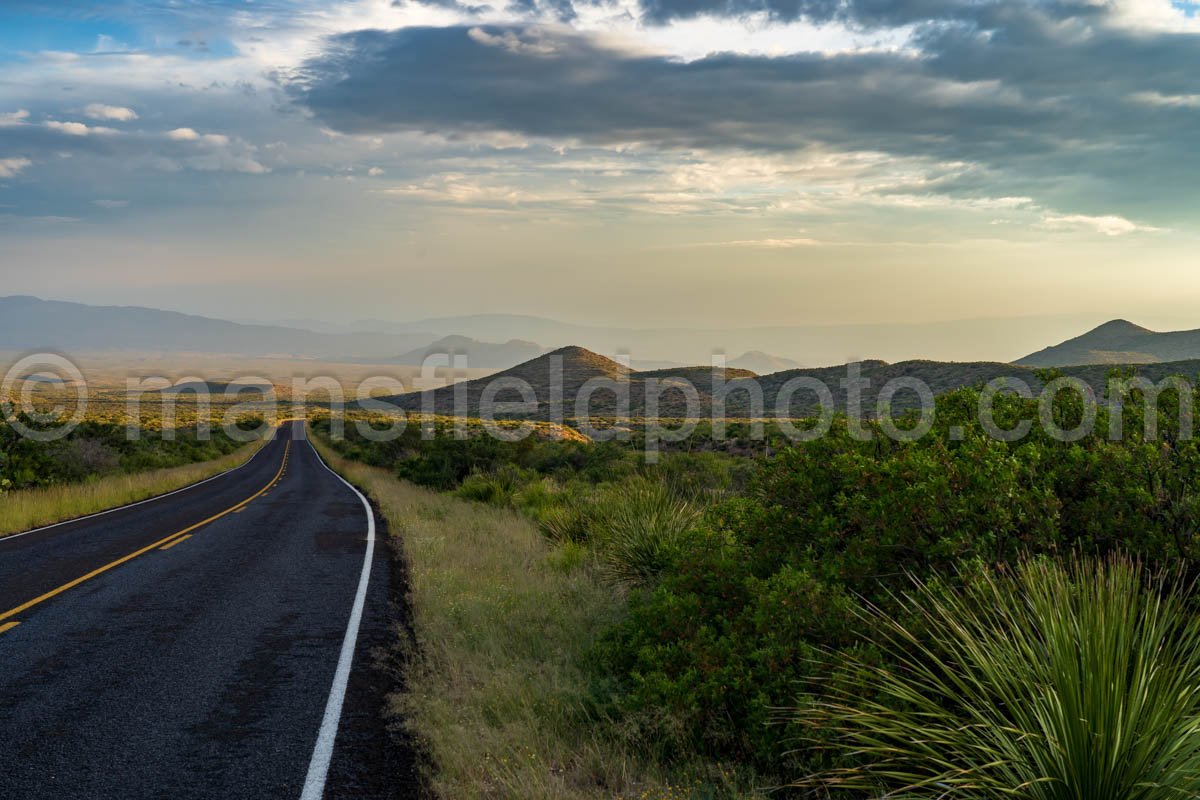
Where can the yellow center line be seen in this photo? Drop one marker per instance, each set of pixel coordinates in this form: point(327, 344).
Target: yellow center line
point(100, 570)
point(171, 544)
point(8, 626)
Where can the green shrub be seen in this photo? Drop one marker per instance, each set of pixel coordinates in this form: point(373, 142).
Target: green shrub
point(537, 497)
point(484, 489)
point(713, 649)
point(96, 449)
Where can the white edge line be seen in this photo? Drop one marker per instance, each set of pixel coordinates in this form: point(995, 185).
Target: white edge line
point(11, 536)
point(318, 767)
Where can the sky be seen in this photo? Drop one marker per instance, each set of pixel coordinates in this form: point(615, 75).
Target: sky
point(707, 163)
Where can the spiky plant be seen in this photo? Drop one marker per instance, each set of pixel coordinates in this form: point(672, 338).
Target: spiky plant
point(639, 527)
point(1059, 682)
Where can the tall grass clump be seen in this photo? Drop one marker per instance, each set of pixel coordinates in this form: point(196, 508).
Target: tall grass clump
point(639, 526)
point(1054, 682)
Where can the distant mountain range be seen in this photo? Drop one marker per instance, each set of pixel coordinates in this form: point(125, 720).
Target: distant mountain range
point(505, 341)
point(28, 323)
point(1118, 342)
point(761, 363)
point(997, 339)
point(482, 355)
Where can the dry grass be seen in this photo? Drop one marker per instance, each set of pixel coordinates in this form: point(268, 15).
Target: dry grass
point(33, 508)
point(497, 691)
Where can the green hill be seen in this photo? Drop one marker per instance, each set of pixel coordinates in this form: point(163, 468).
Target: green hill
point(1119, 342)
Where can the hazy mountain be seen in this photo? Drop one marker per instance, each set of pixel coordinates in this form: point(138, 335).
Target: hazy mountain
point(28, 323)
point(961, 340)
point(1119, 342)
point(483, 355)
point(761, 363)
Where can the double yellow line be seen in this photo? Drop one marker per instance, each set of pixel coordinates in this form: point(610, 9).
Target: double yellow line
point(164, 543)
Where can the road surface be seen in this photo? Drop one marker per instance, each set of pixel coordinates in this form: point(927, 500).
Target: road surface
point(189, 647)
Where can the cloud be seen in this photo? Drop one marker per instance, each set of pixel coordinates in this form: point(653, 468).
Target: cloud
point(456, 188)
point(1167, 100)
point(1108, 225)
point(9, 167)
point(13, 118)
point(765, 244)
point(78, 128)
point(533, 45)
point(114, 113)
point(375, 172)
point(110, 204)
point(1033, 98)
point(190, 135)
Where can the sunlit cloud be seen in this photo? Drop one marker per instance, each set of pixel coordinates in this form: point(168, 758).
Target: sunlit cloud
point(12, 118)
point(1108, 224)
point(101, 111)
point(78, 128)
point(9, 167)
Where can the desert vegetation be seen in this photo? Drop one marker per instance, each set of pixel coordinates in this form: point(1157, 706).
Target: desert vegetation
point(498, 684)
point(751, 593)
point(98, 466)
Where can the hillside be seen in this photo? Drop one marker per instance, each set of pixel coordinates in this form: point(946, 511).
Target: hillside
point(481, 355)
point(578, 366)
point(29, 323)
point(1118, 342)
point(581, 366)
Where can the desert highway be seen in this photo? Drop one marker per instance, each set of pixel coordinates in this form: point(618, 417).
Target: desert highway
point(214, 643)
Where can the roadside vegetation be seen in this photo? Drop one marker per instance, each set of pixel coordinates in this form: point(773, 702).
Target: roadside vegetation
point(748, 592)
point(498, 688)
point(97, 467)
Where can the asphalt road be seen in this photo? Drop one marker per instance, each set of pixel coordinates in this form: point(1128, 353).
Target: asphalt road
point(197, 656)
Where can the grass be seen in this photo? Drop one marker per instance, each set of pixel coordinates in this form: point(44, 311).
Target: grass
point(497, 689)
point(1054, 683)
point(25, 509)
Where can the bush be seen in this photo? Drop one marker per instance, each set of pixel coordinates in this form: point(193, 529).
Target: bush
point(714, 649)
point(484, 489)
point(95, 449)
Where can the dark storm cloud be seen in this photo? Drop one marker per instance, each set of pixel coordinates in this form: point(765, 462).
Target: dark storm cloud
point(1033, 97)
point(555, 84)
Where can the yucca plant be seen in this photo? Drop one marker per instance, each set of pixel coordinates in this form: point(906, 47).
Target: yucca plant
point(1077, 681)
point(565, 523)
point(638, 527)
